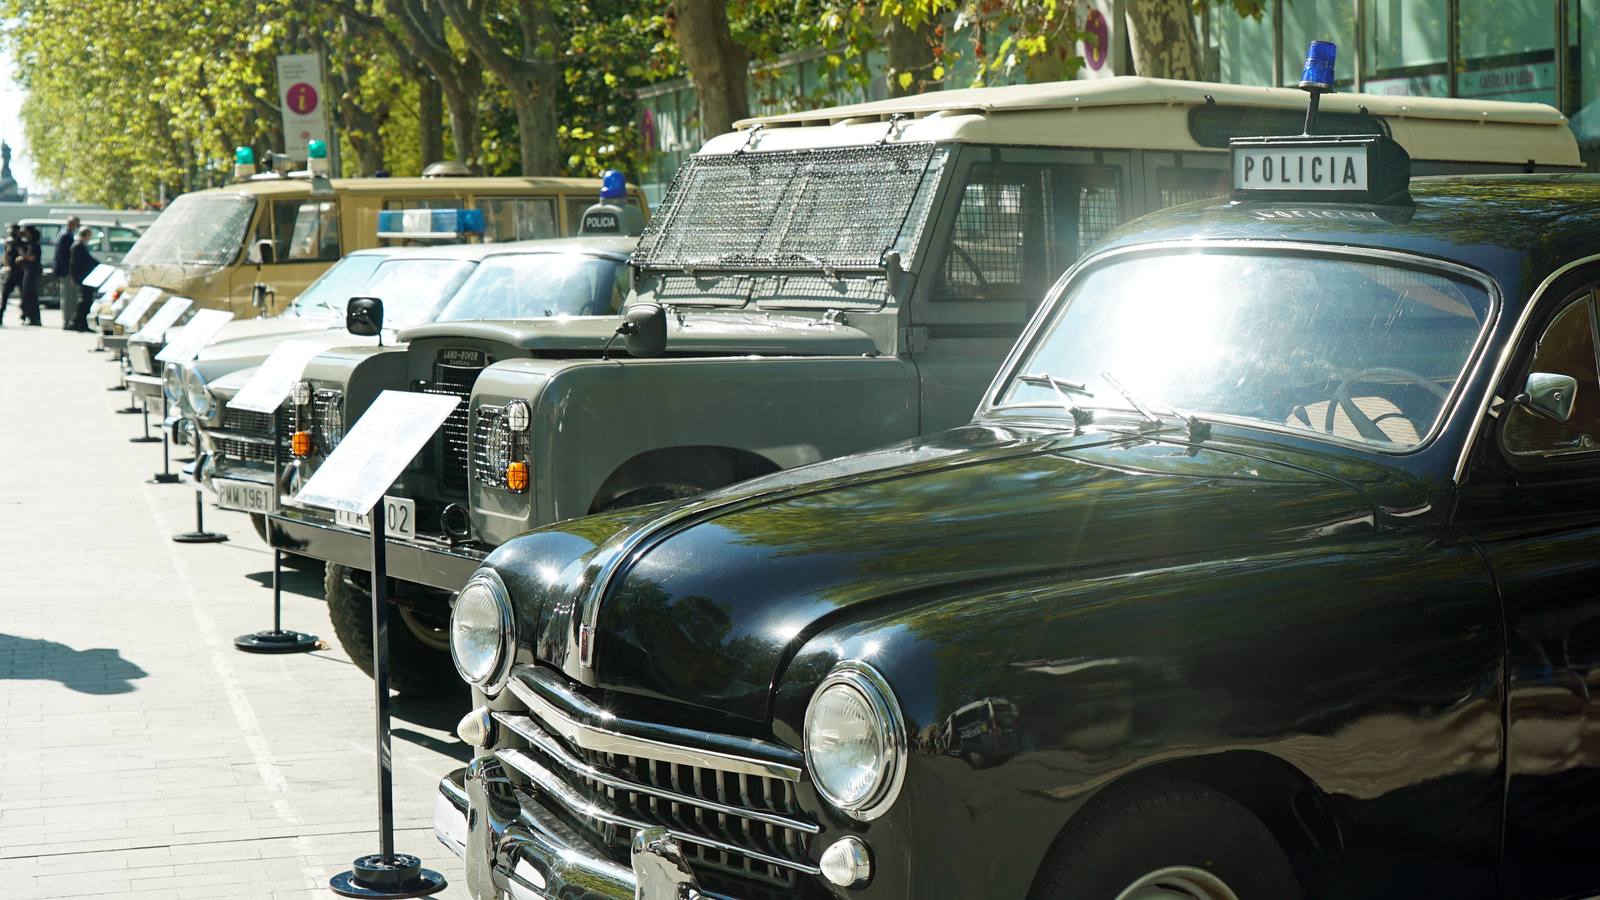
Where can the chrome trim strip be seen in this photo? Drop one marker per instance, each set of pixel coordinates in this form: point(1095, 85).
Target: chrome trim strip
point(603, 740)
point(1504, 362)
point(553, 787)
point(527, 729)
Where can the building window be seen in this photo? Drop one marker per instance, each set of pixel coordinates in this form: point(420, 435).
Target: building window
point(1408, 47)
point(1507, 51)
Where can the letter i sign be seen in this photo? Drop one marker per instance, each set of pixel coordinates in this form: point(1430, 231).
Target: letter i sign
point(302, 98)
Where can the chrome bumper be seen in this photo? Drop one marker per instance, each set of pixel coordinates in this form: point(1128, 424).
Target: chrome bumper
point(518, 850)
point(145, 387)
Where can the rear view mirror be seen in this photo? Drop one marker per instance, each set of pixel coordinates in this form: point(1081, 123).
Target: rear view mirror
point(1549, 396)
point(644, 326)
point(258, 295)
point(262, 253)
point(363, 316)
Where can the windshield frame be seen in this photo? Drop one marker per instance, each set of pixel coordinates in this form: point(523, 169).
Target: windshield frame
point(1054, 306)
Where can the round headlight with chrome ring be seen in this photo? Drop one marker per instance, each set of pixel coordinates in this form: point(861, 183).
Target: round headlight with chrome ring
point(517, 415)
point(172, 384)
point(483, 631)
point(301, 393)
point(196, 398)
point(855, 741)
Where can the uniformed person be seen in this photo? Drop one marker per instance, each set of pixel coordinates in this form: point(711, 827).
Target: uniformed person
point(13, 268)
point(32, 274)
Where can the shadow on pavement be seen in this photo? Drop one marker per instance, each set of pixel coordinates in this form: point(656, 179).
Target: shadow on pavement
point(437, 713)
point(101, 670)
point(295, 581)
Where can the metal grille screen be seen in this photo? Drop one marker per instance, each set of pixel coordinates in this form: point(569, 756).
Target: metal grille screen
point(195, 230)
point(1021, 224)
point(1187, 185)
point(840, 208)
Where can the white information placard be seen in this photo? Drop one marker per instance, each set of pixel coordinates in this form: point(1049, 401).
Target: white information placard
point(302, 98)
point(376, 450)
point(98, 275)
point(117, 279)
point(140, 304)
point(201, 328)
point(265, 390)
point(165, 317)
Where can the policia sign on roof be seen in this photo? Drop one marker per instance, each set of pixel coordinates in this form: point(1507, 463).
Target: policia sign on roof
point(1363, 168)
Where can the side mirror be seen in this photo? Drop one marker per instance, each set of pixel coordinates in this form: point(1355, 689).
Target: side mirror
point(1549, 396)
point(258, 295)
point(644, 326)
point(263, 253)
point(363, 317)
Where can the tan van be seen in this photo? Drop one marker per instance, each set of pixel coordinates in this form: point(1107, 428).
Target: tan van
point(204, 245)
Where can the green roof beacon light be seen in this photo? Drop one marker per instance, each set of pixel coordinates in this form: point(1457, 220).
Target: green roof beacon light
point(1317, 77)
point(244, 162)
point(317, 158)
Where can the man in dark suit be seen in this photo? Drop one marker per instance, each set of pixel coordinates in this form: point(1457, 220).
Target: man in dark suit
point(32, 274)
point(63, 259)
point(80, 263)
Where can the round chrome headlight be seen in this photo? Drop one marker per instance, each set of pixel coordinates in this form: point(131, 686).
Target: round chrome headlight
point(482, 631)
point(172, 384)
point(195, 395)
point(855, 741)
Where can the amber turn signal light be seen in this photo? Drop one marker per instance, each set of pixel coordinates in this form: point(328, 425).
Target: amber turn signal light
point(300, 444)
point(517, 476)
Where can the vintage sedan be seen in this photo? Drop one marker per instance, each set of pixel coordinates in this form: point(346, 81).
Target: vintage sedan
point(1268, 567)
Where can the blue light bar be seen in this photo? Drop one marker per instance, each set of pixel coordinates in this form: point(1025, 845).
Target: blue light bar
point(1318, 74)
point(434, 224)
point(613, 185)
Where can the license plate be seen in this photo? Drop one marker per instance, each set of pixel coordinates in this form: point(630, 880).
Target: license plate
point(244, 496)
point(399, 518)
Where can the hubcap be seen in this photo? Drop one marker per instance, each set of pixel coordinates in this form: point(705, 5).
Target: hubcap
point(434, 638)
point(1178, 883)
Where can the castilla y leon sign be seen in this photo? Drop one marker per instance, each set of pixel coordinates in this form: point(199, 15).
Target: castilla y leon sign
point(300, 96)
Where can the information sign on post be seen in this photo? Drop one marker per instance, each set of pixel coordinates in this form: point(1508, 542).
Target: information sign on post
point(301, 96)
point(202, 327)
point(272, 382)
point(164, 318)
point(353, 479)
point(117, 279)
point(143, 299)
point(98, 275)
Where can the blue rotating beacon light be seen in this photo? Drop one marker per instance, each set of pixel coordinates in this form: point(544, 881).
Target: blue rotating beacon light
point(1317, 77)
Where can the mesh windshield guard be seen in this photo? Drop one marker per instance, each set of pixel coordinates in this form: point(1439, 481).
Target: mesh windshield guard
point(204, 230)
point(801, 210)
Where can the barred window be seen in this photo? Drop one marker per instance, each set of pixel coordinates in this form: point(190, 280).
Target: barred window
point(1020, 225)
point(1188, 185)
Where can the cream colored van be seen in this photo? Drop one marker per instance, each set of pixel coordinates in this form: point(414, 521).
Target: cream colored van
point(205, 243)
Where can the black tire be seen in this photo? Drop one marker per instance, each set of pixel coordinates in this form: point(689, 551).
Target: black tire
point(1167, 825)
point(416, 669)
point(655, 493)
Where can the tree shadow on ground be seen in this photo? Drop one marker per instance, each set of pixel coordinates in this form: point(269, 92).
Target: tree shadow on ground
point(437, 713)
point(100, 670)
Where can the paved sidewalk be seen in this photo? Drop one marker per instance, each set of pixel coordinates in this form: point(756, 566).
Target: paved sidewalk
point(140, 754)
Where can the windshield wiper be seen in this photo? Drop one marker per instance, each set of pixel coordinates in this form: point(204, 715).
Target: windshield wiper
point(1060, 386)
point(1198, 430)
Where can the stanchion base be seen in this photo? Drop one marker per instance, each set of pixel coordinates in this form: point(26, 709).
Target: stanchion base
point(163, 478)
point(117, 387)
point(276, 642)
point(146, 439)
point(199, 537)
point(129, 410)
point(399, 876)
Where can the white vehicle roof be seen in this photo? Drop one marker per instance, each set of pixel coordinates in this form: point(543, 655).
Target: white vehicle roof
point(1155, 114)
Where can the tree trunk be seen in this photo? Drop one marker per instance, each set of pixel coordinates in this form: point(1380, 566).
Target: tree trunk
point(465, 124)
point(1162, 36)
point(535, 104)
point(909, 50)
point(719, 67)
point(527, 68)
point(430, 118)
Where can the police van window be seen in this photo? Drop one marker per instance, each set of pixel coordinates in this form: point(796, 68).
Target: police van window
point(1175, 185)
point(518, 218)
point(1567, 347)
point(1020, 225)
point(305, 230)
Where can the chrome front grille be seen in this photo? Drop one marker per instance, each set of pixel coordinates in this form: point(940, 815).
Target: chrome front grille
point(743, 832)
point(249, 422)
point(246, 436)
point(453, 445)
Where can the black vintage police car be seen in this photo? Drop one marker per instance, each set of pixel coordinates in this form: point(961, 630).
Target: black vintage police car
point(1276, 541)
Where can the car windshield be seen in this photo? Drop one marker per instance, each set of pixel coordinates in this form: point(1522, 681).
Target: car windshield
point(1356, 350)
point(412, 290)
point(540, 285)
point(195, 230)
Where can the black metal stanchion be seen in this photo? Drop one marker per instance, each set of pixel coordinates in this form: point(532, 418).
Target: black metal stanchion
point(166, 475)
point(147, 437)
point(277, 640)
point(384, 874)
point(121, 384)
point(199, 535)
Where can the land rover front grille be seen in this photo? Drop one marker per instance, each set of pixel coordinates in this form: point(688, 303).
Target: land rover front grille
point(453, 444)
point(743, 834)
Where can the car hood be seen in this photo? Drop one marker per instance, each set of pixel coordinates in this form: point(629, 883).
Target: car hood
point(704, 602)
point(697, 332)
point(245, 344)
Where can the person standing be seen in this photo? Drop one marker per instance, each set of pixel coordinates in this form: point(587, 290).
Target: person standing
point(81, 263)
point(13, 267)
point(32, 273)
point(68, 286)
